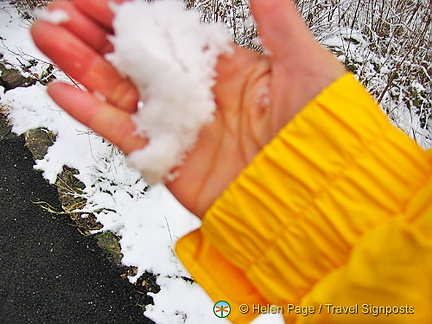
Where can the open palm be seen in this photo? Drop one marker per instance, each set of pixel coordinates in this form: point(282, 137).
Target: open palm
point(256, 95)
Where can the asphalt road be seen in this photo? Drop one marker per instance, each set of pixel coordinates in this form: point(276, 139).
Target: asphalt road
point(49, 272)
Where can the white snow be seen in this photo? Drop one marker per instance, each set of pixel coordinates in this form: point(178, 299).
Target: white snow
point(170, 56)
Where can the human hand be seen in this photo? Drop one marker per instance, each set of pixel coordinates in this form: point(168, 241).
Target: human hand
point(256, 95)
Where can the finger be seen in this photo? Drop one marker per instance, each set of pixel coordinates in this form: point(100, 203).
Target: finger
point(114, 124)
point(85, 65)
point(281, 27)
point(99, 10)
point(83, 27)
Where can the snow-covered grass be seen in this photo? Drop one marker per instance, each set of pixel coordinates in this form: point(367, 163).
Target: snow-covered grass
point(387, 45)
point(150, 222)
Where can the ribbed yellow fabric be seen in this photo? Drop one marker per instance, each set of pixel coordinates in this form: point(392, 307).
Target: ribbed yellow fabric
point(335, 210)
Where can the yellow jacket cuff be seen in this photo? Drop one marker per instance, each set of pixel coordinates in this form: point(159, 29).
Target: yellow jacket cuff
point(308, 212)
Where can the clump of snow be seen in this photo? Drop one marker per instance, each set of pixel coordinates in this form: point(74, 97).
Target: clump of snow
point(56, 16)
point(171, 57)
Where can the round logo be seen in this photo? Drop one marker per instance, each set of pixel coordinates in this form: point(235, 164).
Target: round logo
point(221, 309)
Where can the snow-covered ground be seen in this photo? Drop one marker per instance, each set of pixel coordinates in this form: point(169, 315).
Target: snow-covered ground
point(148, 223)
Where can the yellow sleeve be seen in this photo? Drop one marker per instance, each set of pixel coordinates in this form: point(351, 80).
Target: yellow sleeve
point(333, 216)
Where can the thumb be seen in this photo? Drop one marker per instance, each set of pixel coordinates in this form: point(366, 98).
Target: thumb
point(280, 26)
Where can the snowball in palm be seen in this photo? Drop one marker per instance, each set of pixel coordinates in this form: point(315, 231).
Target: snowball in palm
point(170, 56)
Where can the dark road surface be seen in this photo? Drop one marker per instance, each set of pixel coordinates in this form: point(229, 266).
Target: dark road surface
point(50, 273)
